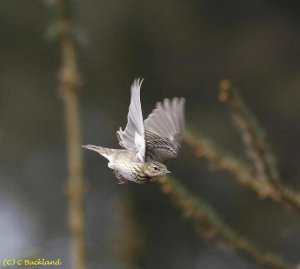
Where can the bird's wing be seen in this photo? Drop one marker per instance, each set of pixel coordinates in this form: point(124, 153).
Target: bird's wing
point(133, 137)
point(164, 129)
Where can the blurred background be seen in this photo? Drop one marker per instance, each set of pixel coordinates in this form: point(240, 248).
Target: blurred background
point(181, 48)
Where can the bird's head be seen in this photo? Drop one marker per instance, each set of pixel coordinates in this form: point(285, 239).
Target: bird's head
point(155, 169)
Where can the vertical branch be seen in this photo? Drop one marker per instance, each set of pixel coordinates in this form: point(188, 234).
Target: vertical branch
point(252, 133)
point(70, 84)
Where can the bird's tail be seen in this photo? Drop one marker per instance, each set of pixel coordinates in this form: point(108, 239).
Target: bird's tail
point(105, 152)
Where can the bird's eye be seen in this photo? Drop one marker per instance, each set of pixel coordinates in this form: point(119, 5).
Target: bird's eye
point(155, 168)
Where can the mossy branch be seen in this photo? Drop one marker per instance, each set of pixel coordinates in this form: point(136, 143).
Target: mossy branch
point(241, 173)
point(70, 83)
point(208, 224)
point(252, 133)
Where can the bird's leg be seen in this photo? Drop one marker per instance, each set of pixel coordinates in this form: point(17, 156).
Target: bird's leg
point(121, 179)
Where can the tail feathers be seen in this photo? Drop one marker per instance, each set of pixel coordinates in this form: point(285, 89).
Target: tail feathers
point(105, 152)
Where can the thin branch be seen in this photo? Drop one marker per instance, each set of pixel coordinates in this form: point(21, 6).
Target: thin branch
point(252, 134)
point(208, 224)
point(241, 174)
point(70, 83)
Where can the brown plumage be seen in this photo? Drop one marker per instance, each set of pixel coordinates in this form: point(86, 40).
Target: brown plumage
point(146, 143)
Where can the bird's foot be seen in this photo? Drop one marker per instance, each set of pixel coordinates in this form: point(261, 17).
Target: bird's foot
point(121, 179)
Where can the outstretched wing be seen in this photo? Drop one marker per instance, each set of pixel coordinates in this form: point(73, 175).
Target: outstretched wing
point(164, 129)
point(133, 137)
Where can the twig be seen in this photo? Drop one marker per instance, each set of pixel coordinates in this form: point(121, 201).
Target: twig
point(70, 83)
point(252, 133)
point(207, 223)
point(241, 174)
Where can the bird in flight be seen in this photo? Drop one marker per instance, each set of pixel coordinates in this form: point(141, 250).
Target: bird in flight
point(146, 144)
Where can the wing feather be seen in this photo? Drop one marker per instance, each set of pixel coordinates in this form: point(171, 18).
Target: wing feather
point(133, 137)
point(164, 129)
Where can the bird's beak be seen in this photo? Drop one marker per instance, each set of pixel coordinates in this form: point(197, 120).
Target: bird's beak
point(169, 172)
